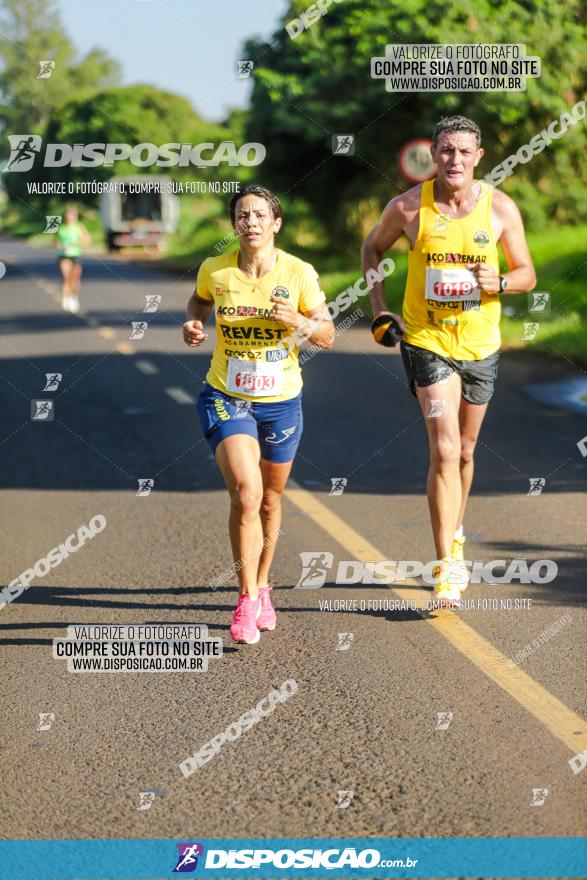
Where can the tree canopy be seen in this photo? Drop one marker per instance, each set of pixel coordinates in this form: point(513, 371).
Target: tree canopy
point(319, 84)
point(31, 32)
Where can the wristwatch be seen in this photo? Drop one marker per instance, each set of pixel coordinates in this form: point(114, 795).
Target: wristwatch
point(503, 283)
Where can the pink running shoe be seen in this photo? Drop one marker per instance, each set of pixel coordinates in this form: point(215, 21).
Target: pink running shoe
point(268, 618)
point(244, 622)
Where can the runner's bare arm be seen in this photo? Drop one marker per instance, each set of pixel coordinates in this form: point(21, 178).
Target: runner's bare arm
point(391, 226)
point(86, 237)
point(322, 333)
point(522, 277)
point(197, 313)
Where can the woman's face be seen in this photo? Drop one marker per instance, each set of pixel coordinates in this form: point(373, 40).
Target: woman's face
point(254, 224)
point(70, 215)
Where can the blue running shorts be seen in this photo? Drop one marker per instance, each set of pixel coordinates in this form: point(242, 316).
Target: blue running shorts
point(276, 426)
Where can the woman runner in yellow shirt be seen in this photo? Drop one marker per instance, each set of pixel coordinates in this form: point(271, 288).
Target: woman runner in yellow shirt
point(250, 407)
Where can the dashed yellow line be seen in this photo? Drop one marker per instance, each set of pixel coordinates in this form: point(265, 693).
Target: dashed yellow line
point(46, 286)
point(105, 332)
point(125, 348)
point(562, 723)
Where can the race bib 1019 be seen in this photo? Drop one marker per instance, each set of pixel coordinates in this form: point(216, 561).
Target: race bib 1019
point(447, 285)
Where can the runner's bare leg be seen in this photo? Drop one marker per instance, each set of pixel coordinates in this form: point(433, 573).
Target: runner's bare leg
point(275, 476)
point(444, 480)
point(238, 459)
point(471, 417)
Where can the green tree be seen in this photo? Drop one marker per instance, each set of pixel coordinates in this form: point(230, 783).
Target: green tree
point(309, 88)
point(31, 32)
point(120, 115)
point(130, 114)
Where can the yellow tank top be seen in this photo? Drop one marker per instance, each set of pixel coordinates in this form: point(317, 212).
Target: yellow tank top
point(444, 311)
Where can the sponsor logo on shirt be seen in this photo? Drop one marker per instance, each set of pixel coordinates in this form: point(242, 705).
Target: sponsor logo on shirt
point(251, 355)
point(443, 305)
point(456, 258)
point(280, 290)
point(426, 238)
point(472, 305)
point(256, 333)
point(220, 291)
point(440, 224)
point(481, 238)
point(276, 354)
point(244, 311)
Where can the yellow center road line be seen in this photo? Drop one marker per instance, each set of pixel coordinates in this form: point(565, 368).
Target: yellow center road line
point(125, 348)
point(561, 721)
point(107, 332)
point(360, 547)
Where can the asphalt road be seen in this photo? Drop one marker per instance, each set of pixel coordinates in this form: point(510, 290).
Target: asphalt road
point(363, 720)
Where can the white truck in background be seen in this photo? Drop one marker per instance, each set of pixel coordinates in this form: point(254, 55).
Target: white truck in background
point(140, 213)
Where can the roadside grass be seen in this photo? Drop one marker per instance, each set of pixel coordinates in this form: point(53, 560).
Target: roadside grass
point(26, 222)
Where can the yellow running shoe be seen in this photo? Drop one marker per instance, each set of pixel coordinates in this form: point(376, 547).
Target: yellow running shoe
point(458, 549)
point(447, 580)
point(457, 554)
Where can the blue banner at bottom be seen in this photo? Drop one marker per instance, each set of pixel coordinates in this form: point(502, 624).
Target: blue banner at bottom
point(368, 857)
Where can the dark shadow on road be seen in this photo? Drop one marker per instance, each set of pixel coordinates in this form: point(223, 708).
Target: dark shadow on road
point(566, 590)
point(121, 319)
point(113, 425)
point(568, 586)
point(74, 597)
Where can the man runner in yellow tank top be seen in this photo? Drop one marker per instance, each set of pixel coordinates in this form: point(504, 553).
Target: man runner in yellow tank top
point(451, 313)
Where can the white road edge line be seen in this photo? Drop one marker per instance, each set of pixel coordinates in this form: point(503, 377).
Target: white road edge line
point(146, 367)
point(179, 395)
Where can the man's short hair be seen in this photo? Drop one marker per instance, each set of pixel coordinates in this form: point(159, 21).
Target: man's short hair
point(252, 189)
point(456, 123)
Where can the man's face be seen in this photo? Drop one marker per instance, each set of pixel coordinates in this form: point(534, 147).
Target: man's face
point(456, 155)
point(254, 222)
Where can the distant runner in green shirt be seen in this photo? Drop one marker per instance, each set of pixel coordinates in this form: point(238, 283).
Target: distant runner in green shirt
point(71, 237)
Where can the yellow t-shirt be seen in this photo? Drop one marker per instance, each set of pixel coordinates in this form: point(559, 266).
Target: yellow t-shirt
point(248, 362)
point(443, 309)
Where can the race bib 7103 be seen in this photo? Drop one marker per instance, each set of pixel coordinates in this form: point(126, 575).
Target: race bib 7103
point(254, 378)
